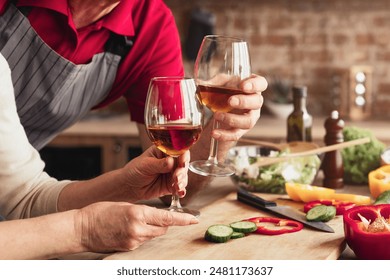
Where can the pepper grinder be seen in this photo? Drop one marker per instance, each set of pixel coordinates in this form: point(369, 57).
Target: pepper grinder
point(332, 164)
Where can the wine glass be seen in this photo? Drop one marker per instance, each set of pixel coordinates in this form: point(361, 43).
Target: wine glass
point(173, 119)
point(221, 65)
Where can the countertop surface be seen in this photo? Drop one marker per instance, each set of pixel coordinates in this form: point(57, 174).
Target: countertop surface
point(267, 128)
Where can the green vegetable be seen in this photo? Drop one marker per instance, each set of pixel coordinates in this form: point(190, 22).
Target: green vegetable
point(243, 226)
point(236, 235)
point(321, 213)
point(218, 233)
point(317, 213)
point(383, 198)
point(361, 159)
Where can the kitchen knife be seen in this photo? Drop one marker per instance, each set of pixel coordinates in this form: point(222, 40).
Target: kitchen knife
point(284, 211)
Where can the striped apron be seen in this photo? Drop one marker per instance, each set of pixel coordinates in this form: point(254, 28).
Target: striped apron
point(51, 92)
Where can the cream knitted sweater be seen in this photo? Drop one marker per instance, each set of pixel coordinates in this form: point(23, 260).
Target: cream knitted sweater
point(25, 189)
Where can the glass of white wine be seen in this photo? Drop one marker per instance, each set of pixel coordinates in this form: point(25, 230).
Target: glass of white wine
point(173, 119)
point(221, 65)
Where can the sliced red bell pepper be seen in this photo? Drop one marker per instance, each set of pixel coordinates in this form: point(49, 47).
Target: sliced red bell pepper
point(341, 206)
point(287, 226)
point(367, 244)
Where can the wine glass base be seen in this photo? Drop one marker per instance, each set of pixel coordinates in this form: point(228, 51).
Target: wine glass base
point(193, 212)
point(206, 168)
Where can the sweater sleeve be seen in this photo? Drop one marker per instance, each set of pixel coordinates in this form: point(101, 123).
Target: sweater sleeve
point(25, 189)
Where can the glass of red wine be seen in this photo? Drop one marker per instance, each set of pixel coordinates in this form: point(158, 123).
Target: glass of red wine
point(221, 65)
point(173, 119)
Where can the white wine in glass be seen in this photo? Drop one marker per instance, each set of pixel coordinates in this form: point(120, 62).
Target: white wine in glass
point(221, 66)
point(173, 119)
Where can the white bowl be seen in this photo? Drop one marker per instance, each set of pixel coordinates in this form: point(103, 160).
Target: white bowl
point(272, 178)
point(279, 110)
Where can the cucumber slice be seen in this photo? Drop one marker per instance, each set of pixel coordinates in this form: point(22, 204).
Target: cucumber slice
point(330, 213)
point(321, 213)
point(236, 235)
point(218, 233)
point(317, 213)
point(244, 226)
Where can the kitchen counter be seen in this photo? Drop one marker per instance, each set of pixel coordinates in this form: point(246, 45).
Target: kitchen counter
point(218, 204)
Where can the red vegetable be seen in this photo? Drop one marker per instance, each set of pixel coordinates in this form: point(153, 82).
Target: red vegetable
point(373, 245)
point(287, 226)
point(341, 206)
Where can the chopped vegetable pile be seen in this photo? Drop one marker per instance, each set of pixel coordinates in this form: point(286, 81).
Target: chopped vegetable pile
point(221, 233)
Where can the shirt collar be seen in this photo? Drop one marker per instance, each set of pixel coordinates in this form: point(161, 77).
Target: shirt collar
point(119, 20)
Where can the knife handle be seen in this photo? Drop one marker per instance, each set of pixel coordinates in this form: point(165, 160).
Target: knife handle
point(254, 198)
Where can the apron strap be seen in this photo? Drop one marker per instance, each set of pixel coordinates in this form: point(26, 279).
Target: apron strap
point(24, 9)
point(118, 44)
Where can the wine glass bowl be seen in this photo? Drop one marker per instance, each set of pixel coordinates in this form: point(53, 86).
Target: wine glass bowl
point(173, 120)
point(222, 64)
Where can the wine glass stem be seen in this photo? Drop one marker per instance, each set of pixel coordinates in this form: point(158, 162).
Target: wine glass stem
point(175, 203)
point(214, 146)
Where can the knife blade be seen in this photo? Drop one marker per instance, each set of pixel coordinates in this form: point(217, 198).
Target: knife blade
point(284, 211)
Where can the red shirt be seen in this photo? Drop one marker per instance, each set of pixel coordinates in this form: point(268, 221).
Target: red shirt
point(156, 50)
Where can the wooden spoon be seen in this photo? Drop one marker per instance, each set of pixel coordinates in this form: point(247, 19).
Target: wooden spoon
point(271, 160)
point(294, 147)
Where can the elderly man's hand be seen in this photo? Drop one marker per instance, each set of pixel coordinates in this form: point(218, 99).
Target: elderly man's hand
point(246, 112)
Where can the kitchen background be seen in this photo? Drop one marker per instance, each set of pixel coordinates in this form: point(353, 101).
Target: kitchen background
point(320, 44)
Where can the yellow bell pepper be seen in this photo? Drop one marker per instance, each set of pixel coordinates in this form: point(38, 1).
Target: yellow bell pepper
point(379, 180)
point(307, 193)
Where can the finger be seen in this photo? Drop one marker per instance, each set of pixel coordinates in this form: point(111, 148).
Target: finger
point(164, 218)
point(184, 159)
point(243, 121)
point(255, 84)
point(159, 166)
point(228, 135)
point(180, 181)
point(152, 231)
point(246, 101)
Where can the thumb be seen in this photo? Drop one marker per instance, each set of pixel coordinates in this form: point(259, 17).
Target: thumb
point(159, 165)
point(167, 218)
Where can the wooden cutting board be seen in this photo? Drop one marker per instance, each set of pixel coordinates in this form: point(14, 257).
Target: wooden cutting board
point(186, 243)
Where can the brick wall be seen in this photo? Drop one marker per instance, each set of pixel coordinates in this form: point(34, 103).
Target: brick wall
point(306, 41)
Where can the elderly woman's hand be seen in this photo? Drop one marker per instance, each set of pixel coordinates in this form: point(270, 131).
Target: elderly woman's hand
point(153, 174)
point(121, 226)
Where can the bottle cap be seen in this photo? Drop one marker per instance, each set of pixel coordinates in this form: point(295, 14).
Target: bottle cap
point(299, 91)
point(334, 115)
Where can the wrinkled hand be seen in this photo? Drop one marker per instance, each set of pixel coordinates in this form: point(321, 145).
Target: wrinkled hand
point(120, 226)
point(234, 124)
point(153, 174)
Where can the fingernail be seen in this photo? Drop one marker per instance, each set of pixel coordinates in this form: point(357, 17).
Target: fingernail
point(181, 193)
point(194, 220)
point(234, 101)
